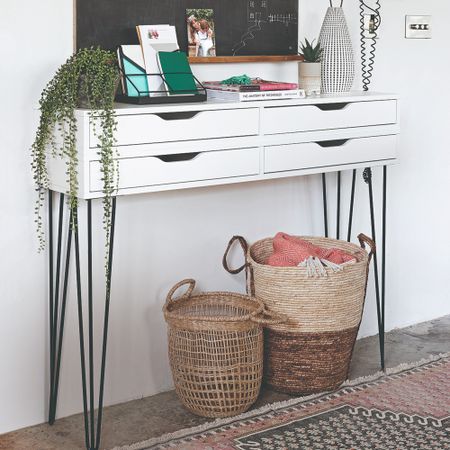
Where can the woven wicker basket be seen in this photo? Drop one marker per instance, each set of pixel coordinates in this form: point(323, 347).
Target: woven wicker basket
point(310, 351)
point(216, 349)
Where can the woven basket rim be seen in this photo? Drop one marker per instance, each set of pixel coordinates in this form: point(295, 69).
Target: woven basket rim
point(254, 306)
point(357, 249)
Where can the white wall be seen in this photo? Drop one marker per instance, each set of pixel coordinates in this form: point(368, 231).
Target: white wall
point(163, 238)
point(418, 215)
point(28, 60)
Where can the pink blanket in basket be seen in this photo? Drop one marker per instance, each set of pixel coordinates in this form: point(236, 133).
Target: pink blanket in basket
point(291, 251)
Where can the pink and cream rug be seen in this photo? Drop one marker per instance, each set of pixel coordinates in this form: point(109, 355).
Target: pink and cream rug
point(406, 408)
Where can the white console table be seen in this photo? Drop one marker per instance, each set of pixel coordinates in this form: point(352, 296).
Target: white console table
point(182, 146)
point(203, 144)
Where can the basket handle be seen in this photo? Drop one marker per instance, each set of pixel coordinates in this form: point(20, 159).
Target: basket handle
point(189, 281)
point(244, 245)
point(266, 317)
point(249, 281)
point(363, 239)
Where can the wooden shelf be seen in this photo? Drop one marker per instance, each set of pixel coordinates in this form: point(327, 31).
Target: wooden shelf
point(243, 59)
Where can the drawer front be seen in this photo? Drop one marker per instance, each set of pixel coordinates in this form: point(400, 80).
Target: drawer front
point(182, 126)
point(180, 168)
point(282, 158)
point(291, 119)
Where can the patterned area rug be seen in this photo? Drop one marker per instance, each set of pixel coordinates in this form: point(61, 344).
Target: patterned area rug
point(407, 408)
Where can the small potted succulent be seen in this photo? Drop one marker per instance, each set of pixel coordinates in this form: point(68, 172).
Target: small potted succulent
point(310, 69)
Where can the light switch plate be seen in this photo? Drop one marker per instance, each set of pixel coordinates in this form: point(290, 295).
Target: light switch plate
point(418, 27)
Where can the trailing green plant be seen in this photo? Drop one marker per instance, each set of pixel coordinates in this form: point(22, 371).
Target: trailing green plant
point(89, 78)
point(310, 52)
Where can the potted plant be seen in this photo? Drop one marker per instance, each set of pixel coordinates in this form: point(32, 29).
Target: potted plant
point(310, 69)
point(88, 79)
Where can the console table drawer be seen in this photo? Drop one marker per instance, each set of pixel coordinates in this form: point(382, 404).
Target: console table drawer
point(180, 168)
point(183, 126)
point(291, 119)
point(282, 158)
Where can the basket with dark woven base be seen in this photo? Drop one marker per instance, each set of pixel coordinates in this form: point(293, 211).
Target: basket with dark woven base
point(306, 363)
point(216, 349)
point(310, 351)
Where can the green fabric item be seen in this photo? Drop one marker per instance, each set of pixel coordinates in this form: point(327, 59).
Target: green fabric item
point(239, 79)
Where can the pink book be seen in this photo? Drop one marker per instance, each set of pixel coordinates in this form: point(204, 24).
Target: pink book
point(257, 85)
point(274, 85)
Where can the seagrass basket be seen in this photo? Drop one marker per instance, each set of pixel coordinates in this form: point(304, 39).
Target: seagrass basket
point(216, 349)
point(311, 350)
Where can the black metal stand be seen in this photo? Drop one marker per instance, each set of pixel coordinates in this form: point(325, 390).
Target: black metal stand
point(93, 425)
point(380, 296)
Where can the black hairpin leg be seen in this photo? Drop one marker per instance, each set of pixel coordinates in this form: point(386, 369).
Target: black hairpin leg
point(383, 260)
point(50, 289)
point(325, 206)
point(352, 205)
point(80, 328)
point(93, 432)
point(106, 323)
point(57, 315)
point(338, 206)
point(380, 307)
point(380, 297)
point(90, 324)
point(54, 399)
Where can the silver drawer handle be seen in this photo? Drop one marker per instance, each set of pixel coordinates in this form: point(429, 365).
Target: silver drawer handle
point(333, 143)
point(177, 115)
point(332, 106)
point(178, 157)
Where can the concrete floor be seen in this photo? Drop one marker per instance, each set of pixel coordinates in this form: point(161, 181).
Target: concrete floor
point(152, 416)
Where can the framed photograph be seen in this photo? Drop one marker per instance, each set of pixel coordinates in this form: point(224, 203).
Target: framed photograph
point(201, 32)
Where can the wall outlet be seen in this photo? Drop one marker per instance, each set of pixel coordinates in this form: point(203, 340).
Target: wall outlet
point(418, 27)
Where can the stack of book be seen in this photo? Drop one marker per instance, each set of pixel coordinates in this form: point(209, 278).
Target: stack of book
point(258, 89)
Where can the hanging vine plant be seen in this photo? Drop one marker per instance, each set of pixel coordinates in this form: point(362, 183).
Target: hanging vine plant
point(88, 79)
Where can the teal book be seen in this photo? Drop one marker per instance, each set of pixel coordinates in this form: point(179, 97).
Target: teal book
point(177, 73)
point(134, 79)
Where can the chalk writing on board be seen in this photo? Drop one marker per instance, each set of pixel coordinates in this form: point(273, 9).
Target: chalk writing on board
point(242, 27)
point(258, 12)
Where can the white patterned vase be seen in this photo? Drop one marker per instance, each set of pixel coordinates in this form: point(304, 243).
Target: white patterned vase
point(338, 63)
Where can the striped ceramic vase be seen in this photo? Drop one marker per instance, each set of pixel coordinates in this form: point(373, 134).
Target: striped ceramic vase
point(338, 63)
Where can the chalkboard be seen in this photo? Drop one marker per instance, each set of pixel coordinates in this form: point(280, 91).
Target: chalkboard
point(242, 27)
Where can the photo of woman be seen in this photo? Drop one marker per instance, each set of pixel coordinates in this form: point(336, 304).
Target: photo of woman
point(200, 28)
point(204, 39)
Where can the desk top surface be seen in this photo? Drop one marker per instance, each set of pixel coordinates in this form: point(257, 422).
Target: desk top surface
point(213, 104)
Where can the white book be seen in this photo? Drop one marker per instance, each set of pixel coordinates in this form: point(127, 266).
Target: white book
point(154, 39)
point(256, 95)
